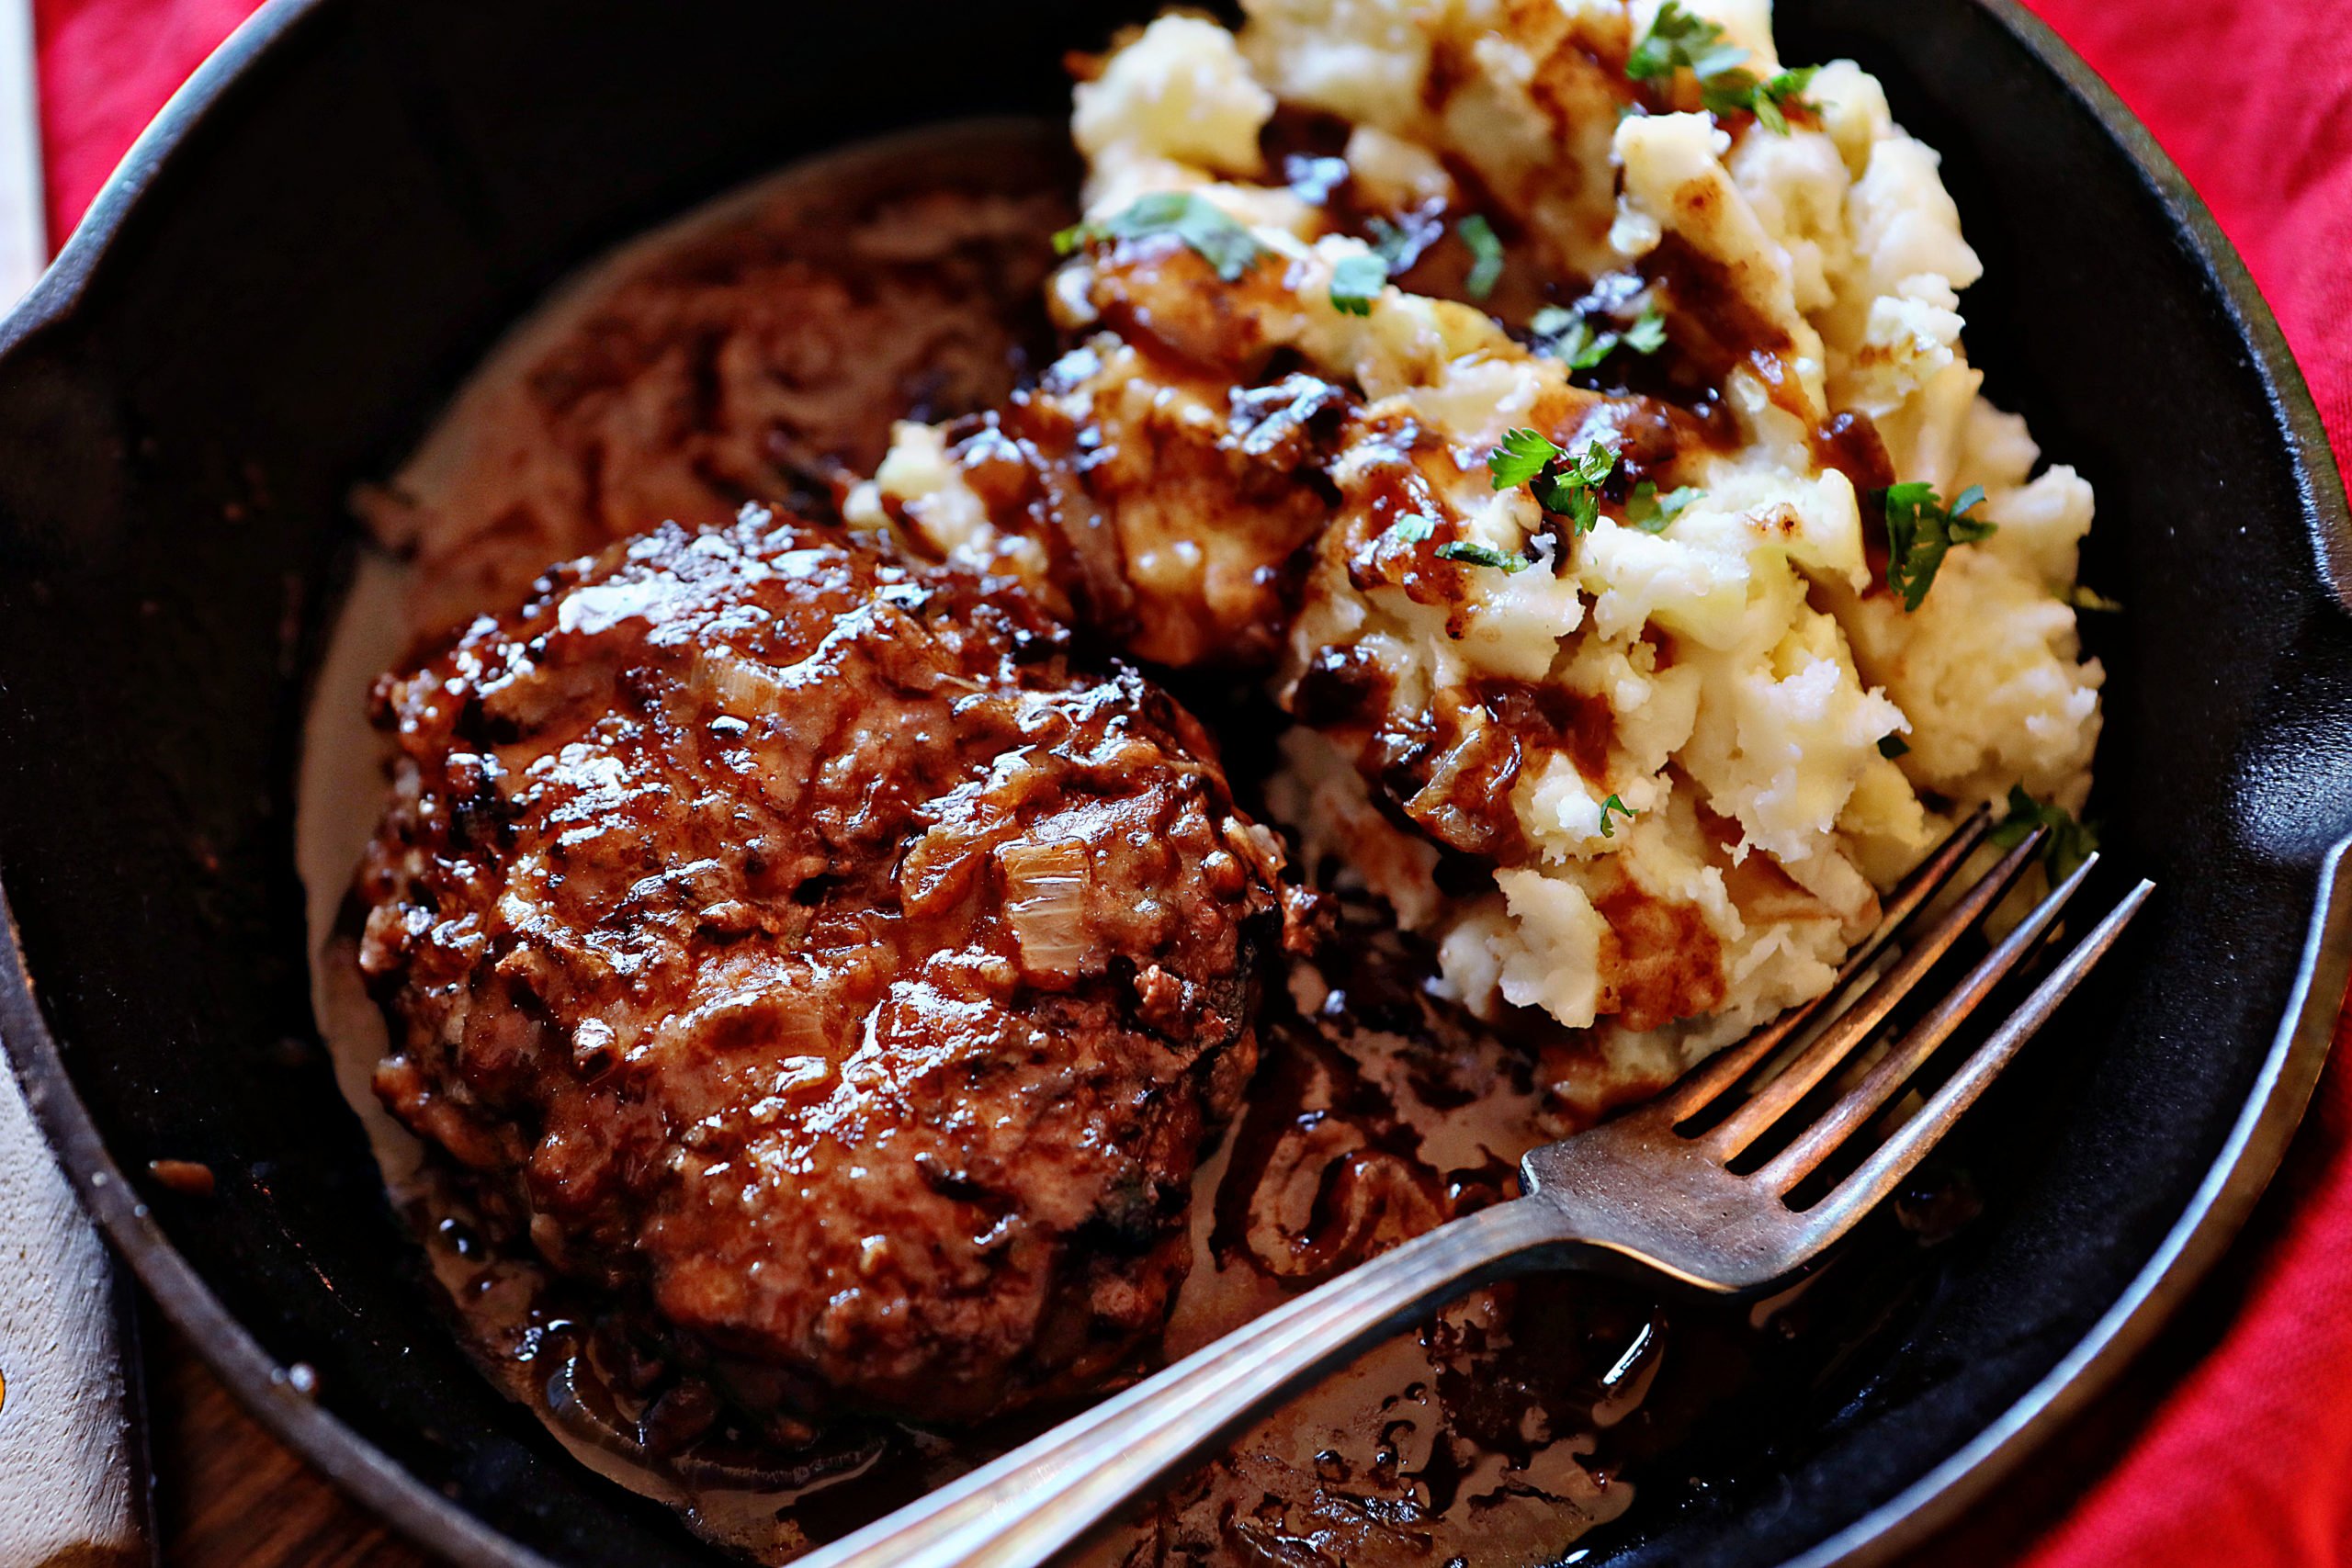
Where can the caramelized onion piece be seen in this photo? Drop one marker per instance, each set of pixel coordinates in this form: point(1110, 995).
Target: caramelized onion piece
point(1045, 887)
point(737, 685)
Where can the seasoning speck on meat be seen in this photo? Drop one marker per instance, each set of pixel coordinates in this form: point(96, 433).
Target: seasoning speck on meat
point(788, 936)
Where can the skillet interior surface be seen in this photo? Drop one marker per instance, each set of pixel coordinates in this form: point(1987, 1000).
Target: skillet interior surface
point(313, 249)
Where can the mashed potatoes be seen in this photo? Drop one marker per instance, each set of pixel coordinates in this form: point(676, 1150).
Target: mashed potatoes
point(1636, 736)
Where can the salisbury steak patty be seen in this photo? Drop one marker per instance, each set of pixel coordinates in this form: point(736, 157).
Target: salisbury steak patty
point(792, 940)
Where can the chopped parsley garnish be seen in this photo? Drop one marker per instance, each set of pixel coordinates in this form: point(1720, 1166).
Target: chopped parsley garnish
point(1521, 456)
point(1647, 335)
point(1562, 484)
point(1574, 490)
point(1481, 555)
point(1892, 746)
point(1356, 282)
point(1485, 256)
point(1582, 347)
point(1650, 512)
point(1579, 504)
point(2071, 843)
point(1728, 92)
point(1608, 828)
point(1598, 461)
point(1413, 527)
point(2083, 598)
point(1567, 336)
point(1786, 88)
point(1677, 41)
point(1919, 532)
point(1205, 228)
point(1552, 320)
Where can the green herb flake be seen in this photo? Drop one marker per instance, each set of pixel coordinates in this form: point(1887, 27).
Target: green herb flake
point(1598, 461)
point(1522, 455)
point(1574, 490)
point(1568, 486)
point(1608, 828)
point(1721, 60)
point(1892, 746)
point(1678, 41)
point(2070, 843)
point(1204, 227)
point(1970, 532)
point(1781, 92)
point(1564, 335)
point(1571, 338)
point(1577, 502)
point(1647, 335)
point(1485, 256)
point(1920, 531)
point(1590, 348)
point(2083, 598)
point(1727, 92)
point(1413, 528)
point(1650, 512)
point(1356, 282)
point(1481, 555)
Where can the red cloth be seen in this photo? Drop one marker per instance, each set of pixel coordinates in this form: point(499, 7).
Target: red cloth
point(105, 67)
point(2248, 1464)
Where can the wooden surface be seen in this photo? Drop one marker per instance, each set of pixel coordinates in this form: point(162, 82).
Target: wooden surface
point(229, 1496)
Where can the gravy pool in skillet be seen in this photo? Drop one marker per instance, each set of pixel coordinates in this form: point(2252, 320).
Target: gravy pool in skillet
point(1256, 457)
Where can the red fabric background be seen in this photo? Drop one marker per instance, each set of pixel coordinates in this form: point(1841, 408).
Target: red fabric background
point(2249, 1464)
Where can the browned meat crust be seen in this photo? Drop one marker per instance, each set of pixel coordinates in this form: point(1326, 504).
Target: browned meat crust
point(788, 936)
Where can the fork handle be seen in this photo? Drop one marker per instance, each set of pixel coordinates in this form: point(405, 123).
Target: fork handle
point(1020, 1509)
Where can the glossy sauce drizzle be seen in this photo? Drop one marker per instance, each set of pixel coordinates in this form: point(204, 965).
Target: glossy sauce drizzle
point(1500, 1434)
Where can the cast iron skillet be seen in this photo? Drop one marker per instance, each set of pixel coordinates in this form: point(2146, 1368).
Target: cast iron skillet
point(339, 214)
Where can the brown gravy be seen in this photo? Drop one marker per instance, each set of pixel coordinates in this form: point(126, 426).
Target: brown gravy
point(1378, 1113)
point(1519, 1421)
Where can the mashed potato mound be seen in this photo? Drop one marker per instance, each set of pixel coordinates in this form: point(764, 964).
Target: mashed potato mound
point(1646, 777)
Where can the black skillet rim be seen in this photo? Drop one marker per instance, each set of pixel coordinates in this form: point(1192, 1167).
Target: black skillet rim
point(2256, 1143)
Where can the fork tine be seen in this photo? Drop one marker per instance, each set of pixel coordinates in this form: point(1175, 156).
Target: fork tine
point(1893, 1160)
point(1726, 1067)
point(1834, 1045)
point(1891, 1072)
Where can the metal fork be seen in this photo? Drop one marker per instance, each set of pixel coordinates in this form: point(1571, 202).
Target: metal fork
point(1656, 1189)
